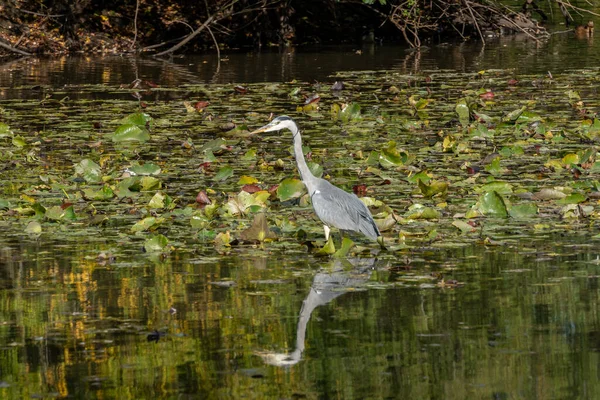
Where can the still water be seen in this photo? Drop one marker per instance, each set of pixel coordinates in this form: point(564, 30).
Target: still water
point(516, 319)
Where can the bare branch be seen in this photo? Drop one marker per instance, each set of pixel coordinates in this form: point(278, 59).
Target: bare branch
point(13, 49)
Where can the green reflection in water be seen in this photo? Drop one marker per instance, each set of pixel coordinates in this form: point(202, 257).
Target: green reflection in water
point(524, 325)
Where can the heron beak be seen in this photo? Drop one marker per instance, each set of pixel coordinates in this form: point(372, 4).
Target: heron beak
point(260, 130)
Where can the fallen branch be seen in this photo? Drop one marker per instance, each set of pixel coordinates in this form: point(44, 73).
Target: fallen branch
point(187, 39)
point(14, 49)
point(475, 22)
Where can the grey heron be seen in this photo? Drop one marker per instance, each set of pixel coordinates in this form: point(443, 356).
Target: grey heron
point(335, 207)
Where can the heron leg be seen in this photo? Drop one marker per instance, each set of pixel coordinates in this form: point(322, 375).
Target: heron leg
point(326, 229)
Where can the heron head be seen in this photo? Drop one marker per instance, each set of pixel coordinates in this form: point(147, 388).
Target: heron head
point(277, 124)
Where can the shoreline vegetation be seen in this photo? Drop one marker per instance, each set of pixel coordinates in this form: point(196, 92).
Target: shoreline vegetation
point(161, 28)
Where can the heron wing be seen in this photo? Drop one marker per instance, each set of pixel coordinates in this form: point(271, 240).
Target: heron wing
point(342, 210)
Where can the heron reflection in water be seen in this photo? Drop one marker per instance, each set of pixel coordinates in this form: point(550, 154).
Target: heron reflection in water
point(335, 207)
point(325, 287)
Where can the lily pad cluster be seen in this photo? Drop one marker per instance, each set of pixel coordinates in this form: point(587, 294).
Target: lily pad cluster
point(442, 158)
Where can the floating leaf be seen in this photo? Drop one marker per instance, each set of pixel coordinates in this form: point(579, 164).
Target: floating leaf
point(464, 227)
point(435, 187)
point(350, 112)
point(214, 146)
point(69, 212)
point(5, 130)
point(496, 186)
point(223, 239)
point(315, 169)
point(202, 198)
point(145, 224)
point(131, 133)
point(327, 249)
point(247, 180)
point(105, 193)
point(18, 141)
point(290, 188)
point(570, 159)
point(525, 210)
point(138, 118)
point(259, 231)
point(494, 167)
point(449, 143)
point(345, 248)
point(245, 202)
point(249, 155)
point(33, 228)
point(55, 213)
point(492, 205)
point(123, 188)
point(391, 157)
point(224, 173)
point(549, 194)
point(149, 183)
point(199, 222)
point(373, 158)
point(89, 170)
point(419, 211)
point(156, 243)
point(463, 112)
point(513, 115)
point(573, 198)
point(157, 201)
point(145, 169)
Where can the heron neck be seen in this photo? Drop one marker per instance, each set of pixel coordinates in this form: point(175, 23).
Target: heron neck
point(305, 174)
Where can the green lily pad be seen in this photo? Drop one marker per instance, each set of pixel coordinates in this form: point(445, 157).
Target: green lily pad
point(145, 169)
point(328, 249)
point(157, 201)
point(19, 141)
point(344, 248)
point(419, 211)
point(55, 213)
point(89, 170)
point(33, 227)
point(514, 115)
point(435, 187)
point(463, 112)
point(105, 193)
point(131, 133)
point(570, 159)
point(125, 187)
point(247, 180)
point(464, 226)
point(290, 188)
point(525, 210)
point(144, 224)
point(492, 205)
point(496, 186)
point(573, 198)
point(391, 157)
point(138, 118)
point(224, 173)
point(5, 130)
point(244, 202)
point(350, 112)
point(149, 183)
point(156, 243)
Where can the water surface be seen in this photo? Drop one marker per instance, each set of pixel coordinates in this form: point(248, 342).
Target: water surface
point(85, 313)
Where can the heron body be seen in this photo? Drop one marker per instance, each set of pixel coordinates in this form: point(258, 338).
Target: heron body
point(335, 207)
